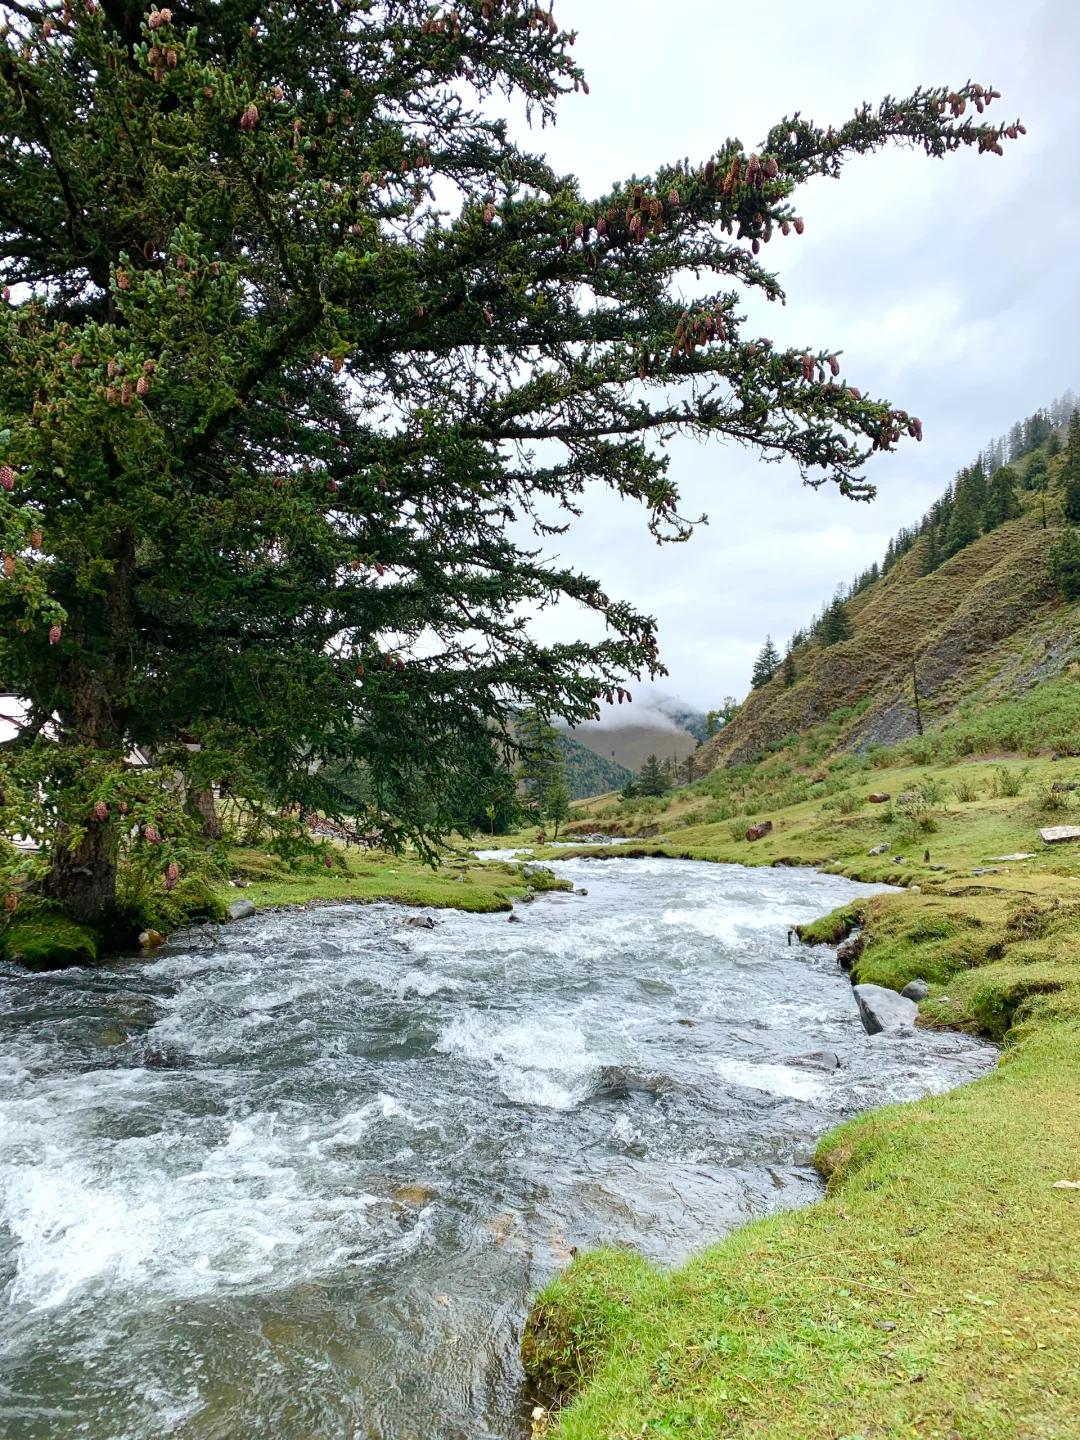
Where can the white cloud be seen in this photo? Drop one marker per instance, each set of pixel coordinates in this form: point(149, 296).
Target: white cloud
point(950, 286)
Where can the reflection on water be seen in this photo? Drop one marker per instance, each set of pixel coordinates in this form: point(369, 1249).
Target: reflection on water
point(299, 1179)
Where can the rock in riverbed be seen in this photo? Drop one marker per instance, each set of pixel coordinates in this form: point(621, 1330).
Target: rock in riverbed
point(916, 990)
point(241, 910)
point(882, 1009)
point(815, 1060)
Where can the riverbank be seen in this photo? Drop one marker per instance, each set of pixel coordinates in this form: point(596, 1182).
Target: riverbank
point(461, 882)
point(936, 1290)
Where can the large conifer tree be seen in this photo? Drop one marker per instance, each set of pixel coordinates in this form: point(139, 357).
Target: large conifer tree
point(288, 312)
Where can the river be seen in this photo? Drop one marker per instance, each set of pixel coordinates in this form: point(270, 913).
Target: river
point(299, 1178)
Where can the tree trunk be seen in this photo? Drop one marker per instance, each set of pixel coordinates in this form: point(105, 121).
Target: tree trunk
point(82, 875)
point(201, 804)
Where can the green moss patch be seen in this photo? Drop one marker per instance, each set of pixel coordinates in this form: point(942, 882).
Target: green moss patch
point(44, 940)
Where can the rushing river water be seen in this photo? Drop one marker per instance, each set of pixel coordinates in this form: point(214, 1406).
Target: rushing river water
point(297, 1181)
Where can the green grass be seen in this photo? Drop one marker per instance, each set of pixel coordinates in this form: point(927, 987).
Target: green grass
point(460, 882)
point(935, 1292)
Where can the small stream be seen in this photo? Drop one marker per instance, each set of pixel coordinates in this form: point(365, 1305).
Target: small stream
point(297, 1180)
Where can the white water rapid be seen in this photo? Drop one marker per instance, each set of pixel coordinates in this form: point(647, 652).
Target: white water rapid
point(298, 1179)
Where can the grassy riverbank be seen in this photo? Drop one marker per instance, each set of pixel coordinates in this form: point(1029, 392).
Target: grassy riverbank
point(936, 1290)
point(461, 882)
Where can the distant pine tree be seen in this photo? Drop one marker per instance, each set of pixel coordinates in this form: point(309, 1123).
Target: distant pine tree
point(1070, 471)
point(931, 556)
point(1065, 563)
point(766, 664)
point(652, 780)
point(835, 624)
point(788, 671)
point(1037, 474)
point(1001, 500)
point(963, 522)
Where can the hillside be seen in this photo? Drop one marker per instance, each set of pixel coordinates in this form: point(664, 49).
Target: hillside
point(985, 625)
point(588, 773)
point(630, 746)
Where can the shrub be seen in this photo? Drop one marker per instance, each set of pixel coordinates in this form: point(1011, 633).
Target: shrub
point(1048, 799)
point(965, 791)
point(849, 802)
point(1010, 782)
point(1065, 564)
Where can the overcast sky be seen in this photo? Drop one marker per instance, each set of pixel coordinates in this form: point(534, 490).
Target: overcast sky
point(952, 287)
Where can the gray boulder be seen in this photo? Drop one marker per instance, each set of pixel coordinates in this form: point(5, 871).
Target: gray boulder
point(815, 1060)
point(878, 850)
point(916, 990)
point(241, 910)
point(531, 869)
point(516, 920)
point(1059, 834)
point(881, 1009)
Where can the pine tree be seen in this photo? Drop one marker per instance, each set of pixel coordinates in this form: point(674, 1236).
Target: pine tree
point(557, 800)
point(963, 522)
point(652, 780)
point(766, 664)
point(789, 672)
point(541, 761)
point(1001, 499)
point(1070, 471)
point(835, 624)
point(1065, 563)
point(931, 556)
point(264, 403)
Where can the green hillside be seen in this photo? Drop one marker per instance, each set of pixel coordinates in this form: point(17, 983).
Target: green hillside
point(979, 627)
point(589, 774)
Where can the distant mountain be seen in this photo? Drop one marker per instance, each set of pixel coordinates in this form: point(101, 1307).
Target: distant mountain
point(693, 721)
point(631, 745)
point(589, 774)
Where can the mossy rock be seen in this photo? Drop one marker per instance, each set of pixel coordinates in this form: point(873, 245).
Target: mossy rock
point(831, 929)
point(46, 941)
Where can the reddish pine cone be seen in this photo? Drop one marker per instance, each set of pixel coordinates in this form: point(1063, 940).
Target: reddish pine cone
point(101, 811)
point(250, 118)
point(11, 902)
point(150, 833)
point(142, 386)
point(7, 477)
point(158, 18)
point(54, 635)
point(173, 871)
point(35, 539)
point(9, 565)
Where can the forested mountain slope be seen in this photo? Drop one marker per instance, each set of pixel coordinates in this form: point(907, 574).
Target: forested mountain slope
point(986, 623)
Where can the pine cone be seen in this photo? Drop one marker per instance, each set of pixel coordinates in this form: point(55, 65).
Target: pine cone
point(171, 58)
point(799, 225)
point(112, 369)
point(7, 477)
point(710, 171)
point(35, 539)
point(142, 385)
point(125, 393)
point(111, 394)
point(101, 811)
point(54, 635)
point(9, 565)
point(11, 902)
point(250, 118)
point(153, 56)
point(834, 365)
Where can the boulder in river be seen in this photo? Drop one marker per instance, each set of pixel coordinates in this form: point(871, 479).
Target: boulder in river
point(532, 868)
point(815, 1060)
point(916, 990)
point(241, 910)
point(882, 1009)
